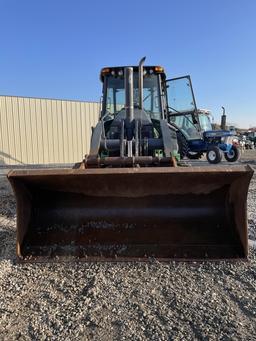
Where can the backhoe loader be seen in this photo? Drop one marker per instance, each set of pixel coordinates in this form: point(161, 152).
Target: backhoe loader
point(131, 198)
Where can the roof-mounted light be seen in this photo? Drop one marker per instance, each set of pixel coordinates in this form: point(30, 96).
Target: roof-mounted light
point(105, 71)
point(159, 69)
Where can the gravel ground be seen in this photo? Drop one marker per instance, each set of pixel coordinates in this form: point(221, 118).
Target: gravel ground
point(107, 301)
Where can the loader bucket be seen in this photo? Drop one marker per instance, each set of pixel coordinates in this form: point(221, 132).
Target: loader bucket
point(132, 213)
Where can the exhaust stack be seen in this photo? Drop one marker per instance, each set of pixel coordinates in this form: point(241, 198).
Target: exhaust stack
point(141, 82)
point(223, 119)
point(129, 107)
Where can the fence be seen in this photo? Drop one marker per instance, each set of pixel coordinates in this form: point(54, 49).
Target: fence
point(44, 131)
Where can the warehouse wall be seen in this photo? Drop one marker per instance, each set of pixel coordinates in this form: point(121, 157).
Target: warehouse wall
point(44, 131)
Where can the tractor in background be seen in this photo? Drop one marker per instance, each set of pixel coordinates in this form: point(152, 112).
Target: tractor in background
point(198, 135)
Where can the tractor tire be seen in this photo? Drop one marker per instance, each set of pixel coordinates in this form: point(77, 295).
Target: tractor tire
point(194, 155)
point(233, 155)
point(183, 145)
point(214, 155)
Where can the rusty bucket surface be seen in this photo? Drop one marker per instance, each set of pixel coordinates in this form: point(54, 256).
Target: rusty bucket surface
point(132, 213)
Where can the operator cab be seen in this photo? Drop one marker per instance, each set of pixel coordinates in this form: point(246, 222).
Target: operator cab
point(114, 91)
point(172, 100)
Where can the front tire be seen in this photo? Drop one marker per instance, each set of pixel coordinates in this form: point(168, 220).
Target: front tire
point(233, 155)
point(183, 145)
point(214, 155)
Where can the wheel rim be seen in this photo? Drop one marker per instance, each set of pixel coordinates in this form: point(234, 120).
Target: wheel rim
point(212, 155)
point(231, 154)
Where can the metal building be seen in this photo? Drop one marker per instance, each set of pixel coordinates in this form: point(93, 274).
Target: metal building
point(45, 131)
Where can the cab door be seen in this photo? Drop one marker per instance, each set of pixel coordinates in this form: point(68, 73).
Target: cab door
point(182, 111)
point(180, 95)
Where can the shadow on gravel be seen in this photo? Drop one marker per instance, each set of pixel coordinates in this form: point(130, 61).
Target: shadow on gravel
point(7, 206)
point(7, 244)
point(7, 221)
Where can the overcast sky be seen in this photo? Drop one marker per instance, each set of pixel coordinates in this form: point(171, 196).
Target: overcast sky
point(56, 48)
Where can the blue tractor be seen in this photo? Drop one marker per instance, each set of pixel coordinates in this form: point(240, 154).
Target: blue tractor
point(196, 135)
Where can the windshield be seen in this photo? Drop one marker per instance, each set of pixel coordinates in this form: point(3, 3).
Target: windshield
point(115, 95)
point(205, 122)
point(185, 124)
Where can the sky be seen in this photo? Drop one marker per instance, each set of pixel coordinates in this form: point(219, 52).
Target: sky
point(56, 48)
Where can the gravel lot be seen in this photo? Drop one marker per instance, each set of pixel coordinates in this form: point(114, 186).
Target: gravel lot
point(106, 301)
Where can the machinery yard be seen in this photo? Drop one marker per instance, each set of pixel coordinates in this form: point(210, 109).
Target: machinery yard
point(127, 171)
point(102, 301)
